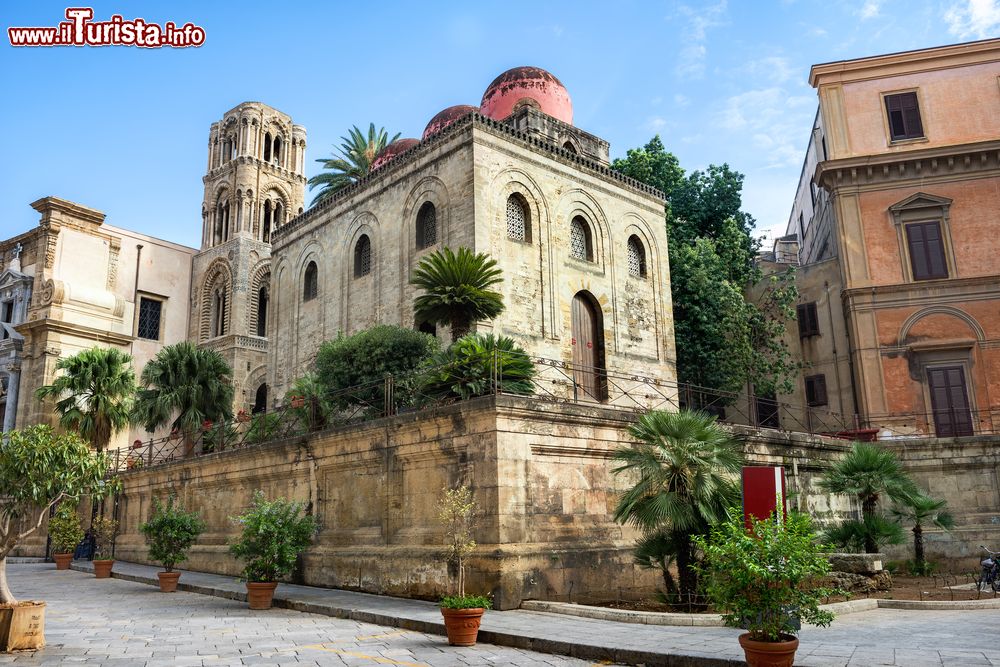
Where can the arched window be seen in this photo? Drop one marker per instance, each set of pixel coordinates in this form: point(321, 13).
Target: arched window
point(260, 400)
point(518, 224)
point(426, 226)
point(268, 223)
point(277, 151)
point(262, 299)
point(363, 257)
point(568, 146)
point(580, 244)
point(267, 147)
point(219, 304)
point(310, 286)
point(279, 214)
point(636, 257)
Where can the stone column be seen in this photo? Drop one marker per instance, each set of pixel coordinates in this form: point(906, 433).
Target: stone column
point(13, 382)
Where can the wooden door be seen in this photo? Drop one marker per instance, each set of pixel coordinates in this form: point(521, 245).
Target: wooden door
point(588, 350)
point(949, 401)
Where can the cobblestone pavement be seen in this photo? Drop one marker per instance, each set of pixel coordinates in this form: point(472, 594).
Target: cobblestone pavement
point(111, 622)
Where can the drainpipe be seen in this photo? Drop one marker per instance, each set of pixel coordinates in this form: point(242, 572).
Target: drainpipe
point(833, 337)
point(135, 296)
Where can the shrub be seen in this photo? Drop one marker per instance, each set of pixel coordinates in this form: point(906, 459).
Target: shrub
point(264, 426)
point(853, 535)
point(471, 365)
point(466, 602)
point(274, 533)
point(457, 511)
point(170, 532)
point(308, 403)
point(105, 530)
point(65, 530)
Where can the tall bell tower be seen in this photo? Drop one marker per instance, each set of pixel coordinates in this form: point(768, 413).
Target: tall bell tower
point(254, 184)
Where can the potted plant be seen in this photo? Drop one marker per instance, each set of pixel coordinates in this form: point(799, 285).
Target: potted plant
point(274, 532)
point(105, 529)
point(38, 470)
point(65, 532)
point(462, 613)
point(764, 579)
point(170, 532)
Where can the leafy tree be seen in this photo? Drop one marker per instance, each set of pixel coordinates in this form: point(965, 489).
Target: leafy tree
point(653, 165)
point(685, 465)
point(473, 363)
point(65, 531)
point(869, 472)
point(170, 532)
point(39, 469)
point(920, 510)
point(94, 393)
point(354, 161)
point(273, 534)
point(457, 289)
point(457, 513)
point(184, 386)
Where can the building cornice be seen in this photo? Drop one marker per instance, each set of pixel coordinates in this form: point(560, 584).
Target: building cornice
point(923, 293)
point(46, 205)
point(81, 331)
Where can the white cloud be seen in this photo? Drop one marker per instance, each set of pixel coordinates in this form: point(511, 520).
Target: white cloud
point(774, 120)
point(691, 58)
point(557, 30)
point(870, 9)
point(681, 100)
point(656, 123)
point(977, 19)
point(772, 68)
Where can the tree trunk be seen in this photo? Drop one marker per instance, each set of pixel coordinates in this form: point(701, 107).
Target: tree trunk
point(918, 545)
point(6, 597)
point(459, 327)
point(687, 578)
point(868, 504)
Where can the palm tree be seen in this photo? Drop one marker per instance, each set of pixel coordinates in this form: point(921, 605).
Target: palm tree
point(868, 472)
point(457, 289)
point(687, 466)
point(186, 384)
point(94, 394)
point(357, 153)
point(921, 509)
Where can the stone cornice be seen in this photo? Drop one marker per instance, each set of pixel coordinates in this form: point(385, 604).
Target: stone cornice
point(924, 293)
point(940, 161)
point(89, 333)
point(46, 205)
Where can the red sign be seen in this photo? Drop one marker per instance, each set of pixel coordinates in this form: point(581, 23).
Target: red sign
point(763, 489)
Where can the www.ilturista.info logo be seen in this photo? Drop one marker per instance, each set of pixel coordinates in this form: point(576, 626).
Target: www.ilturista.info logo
point(80, 30)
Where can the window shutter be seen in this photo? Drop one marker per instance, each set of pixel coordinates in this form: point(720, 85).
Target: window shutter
point(808, 319)
point(911, 115)
point(816, 390)
point(926, 251)
point(918, 252)
point(904, 116)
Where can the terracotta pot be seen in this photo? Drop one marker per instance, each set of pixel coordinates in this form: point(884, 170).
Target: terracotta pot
point(102, 568)
point(260, 594)
point(62, 560)
point(769, 654)
point(168, 581)
point(22, 627)
point(462, 625)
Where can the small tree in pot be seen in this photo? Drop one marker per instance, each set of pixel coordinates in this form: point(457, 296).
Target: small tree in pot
point(170, 532)
point(65, 532)
point(105, 530)
point(462, 613)
point(274, 533)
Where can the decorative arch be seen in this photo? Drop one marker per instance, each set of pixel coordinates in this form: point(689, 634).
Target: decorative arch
point(577, 203)
point(912, 320)
point(429, 189)
point(216, 300)
point(517, 182)
point(260, 299)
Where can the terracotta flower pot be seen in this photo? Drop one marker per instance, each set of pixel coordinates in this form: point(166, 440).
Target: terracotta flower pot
point(462, 625)
point(769, 654)
point(102, 568)
point(22, 627)
point(168, 581)
point(260, 594)
point(62, 560)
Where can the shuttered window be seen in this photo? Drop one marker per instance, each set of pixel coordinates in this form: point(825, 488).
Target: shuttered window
point(926, 250)
point(904, 116)
point(949, 401)
point(816, 390)
point(808, 320)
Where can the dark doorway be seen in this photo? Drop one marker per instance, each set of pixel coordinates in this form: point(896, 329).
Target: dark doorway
point(949, 401)
point(260, 400)
point(589, 379)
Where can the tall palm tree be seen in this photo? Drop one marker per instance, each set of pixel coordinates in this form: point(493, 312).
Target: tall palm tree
point(185, 386)
point(457, 289)
point(868, 472)
point(921, 509)
point(687, 466)
point(94, 393)
point(357, 152)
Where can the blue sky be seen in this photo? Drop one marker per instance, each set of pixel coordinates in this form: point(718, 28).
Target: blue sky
point(125, 130)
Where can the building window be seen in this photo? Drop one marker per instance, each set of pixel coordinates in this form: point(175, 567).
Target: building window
point(363, 257)
point(904, 116)
point(580, 244)
point(636, 257)
point(768, 410)
point(149, 318)
point(805, 313)
point(8, 312)
point(262, 299)
point(310, 286)
point(518, 227)
point(927, 257)
point(426, 226)
point(816, 390)
point(569, 147)
point(949, 401)
point(219, 311)
point(267, 147)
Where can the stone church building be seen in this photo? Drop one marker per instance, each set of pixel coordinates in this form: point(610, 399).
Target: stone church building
point(582, 249)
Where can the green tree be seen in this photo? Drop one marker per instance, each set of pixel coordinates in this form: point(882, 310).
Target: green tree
point(472, 365)
point(39, 469)
point(685, 465)
point(273, 534)
point(457, 289)
point(921, 510)
point(354, 161)
point(93, 394)
point(170, 532)
point(184, 386)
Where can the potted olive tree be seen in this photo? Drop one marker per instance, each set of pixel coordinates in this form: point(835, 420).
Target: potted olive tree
point(462, 613)
point(105, 529)
point(765, 580)
point(274, 534)
point(65, 532)
point(170, 532)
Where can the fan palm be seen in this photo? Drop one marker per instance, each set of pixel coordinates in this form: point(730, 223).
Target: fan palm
point(94, 393)
point(686, 465)
point(457, 289)
point(921, 509)
point(357, 152)
point(185, 386)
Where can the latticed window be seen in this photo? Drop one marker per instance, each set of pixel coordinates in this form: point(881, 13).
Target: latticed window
point(636, 258)
point(517, 219)
point(149, 318)
point(363, 257)
point(579, 239)
point(426, 226)
point(310, 286)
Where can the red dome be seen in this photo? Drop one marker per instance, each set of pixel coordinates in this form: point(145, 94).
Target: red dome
point(531, 85)
point(392, 150)
point(445, 118)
